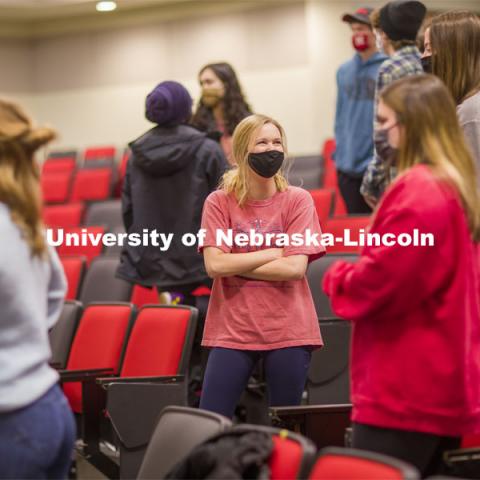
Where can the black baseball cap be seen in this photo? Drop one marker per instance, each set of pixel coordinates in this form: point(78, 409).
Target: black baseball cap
point(361, 15)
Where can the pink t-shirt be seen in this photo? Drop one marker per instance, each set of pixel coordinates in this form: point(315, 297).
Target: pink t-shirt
point(250, 314)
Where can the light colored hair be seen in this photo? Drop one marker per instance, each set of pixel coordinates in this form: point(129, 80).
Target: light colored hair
point(19, 174)
point(236, 180)
point(455, 42)
point(433, 136)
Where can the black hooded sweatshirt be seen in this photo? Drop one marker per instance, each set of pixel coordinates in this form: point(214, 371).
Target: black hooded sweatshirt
point(171, 172)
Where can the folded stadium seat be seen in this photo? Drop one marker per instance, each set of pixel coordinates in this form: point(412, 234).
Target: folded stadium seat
point(63, 216)
point(104, 154)
point(330, 176)
point(471, 441)
point(122, 171)
point(101, 285)
point(323, 200)
point(98, 344)
point(93, 242)
point(178, 431)
point(62, 333)
point(59, 165)
point(90, 184)
point(315, 272)
point(107, 213)
point(144, 296)
point(74, 268)
point(55, 186)
point(338, 227)
point(306, 172)
point(152, 376)
point(328, 381)
point(292, 455)
point(349, 464)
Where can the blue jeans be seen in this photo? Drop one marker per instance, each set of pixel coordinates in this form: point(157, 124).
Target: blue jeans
point(36, 442)
point(228, 371)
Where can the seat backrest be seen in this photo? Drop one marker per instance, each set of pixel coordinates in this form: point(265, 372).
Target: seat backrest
point(62, 154)
point(337, 226)
point(107, 213)
point(63, 216)
point(62, 333)
point(306, 172)
point(55, 186)
point(179, 430)
point(74, 268)
point(59, 165)
point(337, 463)
point(99, 343)
point(323, 201)
point(92, 184)
point(68, 244)
point(315, 272)
point(292, 455)
point(103, 153)
point(101, 285)
point(161, 341)
point(328, 381)
point(144, 296)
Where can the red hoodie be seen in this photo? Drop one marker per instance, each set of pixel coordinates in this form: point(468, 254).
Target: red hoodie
point(415, 359)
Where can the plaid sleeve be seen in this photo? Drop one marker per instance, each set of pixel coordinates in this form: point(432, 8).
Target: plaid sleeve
point(375, 179)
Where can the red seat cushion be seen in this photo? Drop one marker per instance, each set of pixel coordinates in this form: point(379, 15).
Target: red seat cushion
point(337, 226)
point(55, 186)
point(98, 343)
point(323, 201)
point(286, 458)
point(90, 250)
point(92, 184)
point(74, 268)
point(96, 153)
point(156, 343)
point(143, 296)
point(63, 216)
point(342, 467)
point(59, 165)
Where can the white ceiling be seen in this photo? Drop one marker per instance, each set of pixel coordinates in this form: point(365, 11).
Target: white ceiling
point(29, 10)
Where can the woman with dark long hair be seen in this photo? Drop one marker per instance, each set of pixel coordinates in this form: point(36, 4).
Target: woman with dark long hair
point(222, 105)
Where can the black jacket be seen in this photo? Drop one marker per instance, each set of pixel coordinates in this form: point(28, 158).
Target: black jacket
point(169, 176)
point(231, 455)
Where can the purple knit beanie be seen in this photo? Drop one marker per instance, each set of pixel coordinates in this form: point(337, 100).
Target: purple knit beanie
point(169, 104)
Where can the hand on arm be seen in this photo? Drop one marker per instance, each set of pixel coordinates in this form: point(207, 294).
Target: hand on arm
point(221, 264)
point(285, 268)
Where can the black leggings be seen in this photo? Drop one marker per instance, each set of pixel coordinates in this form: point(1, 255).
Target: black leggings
point(423, 450)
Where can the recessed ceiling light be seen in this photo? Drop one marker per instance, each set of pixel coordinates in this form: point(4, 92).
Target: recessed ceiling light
point(106, 6)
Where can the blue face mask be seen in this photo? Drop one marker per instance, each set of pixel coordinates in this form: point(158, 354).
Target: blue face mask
point(266, 164)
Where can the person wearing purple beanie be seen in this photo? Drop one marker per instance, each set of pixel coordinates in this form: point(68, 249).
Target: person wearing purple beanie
point(172, 170)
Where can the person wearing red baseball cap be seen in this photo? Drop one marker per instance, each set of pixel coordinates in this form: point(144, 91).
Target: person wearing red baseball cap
point(354, 114)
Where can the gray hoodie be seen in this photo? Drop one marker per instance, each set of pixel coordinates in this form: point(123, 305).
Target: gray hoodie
point(31, 298)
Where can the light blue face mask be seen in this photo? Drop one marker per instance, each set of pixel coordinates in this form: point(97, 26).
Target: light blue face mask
point(379, 42)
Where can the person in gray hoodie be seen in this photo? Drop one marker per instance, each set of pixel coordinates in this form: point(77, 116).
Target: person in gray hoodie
point(172, 170)
point(37, 428)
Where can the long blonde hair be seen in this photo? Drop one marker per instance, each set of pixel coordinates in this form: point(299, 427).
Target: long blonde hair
point(455, 41)
point(236, 180)
point(433, 136)
point(19, 175)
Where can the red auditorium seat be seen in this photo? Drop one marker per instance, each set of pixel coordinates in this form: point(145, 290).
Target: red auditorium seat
point(350, 464)
point(95, 154)
point(143, 296)
point(323, 201)
point(63, 216)
point(471, 441)
point(337, 227)
point(90, 250)
point(92, 184)
point(98, 343)
point(74, 268)
point(55, 186)
point(122, 171)
point(59, 165)
point(330, 176)
point(292, 455)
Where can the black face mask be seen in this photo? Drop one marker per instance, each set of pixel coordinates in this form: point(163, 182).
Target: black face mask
point(427, 64)
point(266, 164)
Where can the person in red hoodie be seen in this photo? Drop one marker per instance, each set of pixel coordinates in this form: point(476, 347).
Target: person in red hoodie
point(415, 359)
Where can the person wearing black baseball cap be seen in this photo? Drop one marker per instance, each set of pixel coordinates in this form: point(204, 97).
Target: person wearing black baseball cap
point(354, 115)
point(396, 25)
